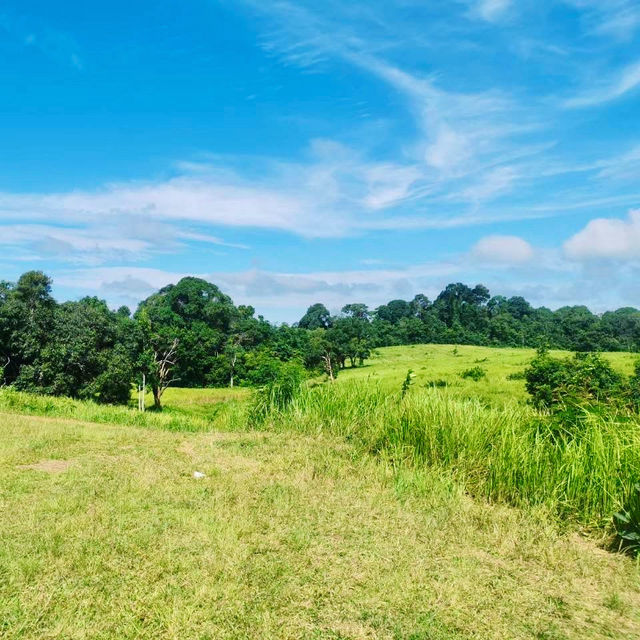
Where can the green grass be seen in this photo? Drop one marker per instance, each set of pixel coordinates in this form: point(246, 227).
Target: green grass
point(105, 534)
point(352, 513)
point(184, 409)
point(438, 362)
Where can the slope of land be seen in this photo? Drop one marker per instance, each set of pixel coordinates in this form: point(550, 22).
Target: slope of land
point(105, 533)
point(444, 363)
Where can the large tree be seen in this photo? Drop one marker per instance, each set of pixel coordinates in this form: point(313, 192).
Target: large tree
point(198, 317)
point(316, 317)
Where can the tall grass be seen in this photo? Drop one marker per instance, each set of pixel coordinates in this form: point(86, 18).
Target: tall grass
point(503, 454)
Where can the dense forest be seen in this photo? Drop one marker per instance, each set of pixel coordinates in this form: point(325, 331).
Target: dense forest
point(191, 334)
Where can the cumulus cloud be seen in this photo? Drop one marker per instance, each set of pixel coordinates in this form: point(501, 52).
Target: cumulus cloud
point(503, 250)
point(607, 238)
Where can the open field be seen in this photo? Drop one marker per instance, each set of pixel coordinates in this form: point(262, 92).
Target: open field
point(350, 513)
point(431, 362)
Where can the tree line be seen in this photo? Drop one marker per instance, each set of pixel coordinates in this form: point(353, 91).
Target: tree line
point(470, 315)
point(191, 334)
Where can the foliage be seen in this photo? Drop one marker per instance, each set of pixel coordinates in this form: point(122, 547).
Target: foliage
point(627, 522)
point(475, 373)
point(194, 335)
point(470, 315)
point(408, 381)
point(278, 393)
point(316, 317)
point(586, 379)
point(83, 355)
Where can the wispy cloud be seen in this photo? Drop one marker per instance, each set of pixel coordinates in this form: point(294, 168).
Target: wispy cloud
point(492, 10)
point(626, 81)
point(611, 18)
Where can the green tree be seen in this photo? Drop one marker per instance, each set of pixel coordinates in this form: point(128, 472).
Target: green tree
point(83, 357)
point(316, 317)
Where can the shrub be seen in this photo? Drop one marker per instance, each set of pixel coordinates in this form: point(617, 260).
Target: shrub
point(278, 393)
point(475, 373)
point(439, 383)
point(408, 381)
point(627, 523)
point(516, 375)
point(584, 380)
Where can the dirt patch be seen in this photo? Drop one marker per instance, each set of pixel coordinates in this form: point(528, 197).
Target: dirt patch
point(48, 466)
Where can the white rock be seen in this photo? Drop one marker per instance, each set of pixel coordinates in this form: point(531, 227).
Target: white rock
point(198, 475)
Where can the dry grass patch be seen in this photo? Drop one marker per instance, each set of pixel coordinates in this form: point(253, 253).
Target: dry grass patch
point(48, 466)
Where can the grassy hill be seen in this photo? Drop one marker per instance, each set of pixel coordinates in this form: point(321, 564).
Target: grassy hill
point(436, 362)
point(318, 524)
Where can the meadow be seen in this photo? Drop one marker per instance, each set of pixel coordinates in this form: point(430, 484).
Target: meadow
point(353, 510)
point(432, 362)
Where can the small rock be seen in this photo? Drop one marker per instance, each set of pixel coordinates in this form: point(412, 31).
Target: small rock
point(198, 475)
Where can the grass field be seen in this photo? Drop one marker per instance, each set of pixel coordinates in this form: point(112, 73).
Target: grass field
point(431, 362)
point(339, 517)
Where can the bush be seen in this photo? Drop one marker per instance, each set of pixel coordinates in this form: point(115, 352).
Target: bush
point(516, 375)
point(475, 373)
point(584, 380)
point(277, 394)
point(627, 523)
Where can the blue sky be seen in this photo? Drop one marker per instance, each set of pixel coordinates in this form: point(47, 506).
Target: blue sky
point(297, 151)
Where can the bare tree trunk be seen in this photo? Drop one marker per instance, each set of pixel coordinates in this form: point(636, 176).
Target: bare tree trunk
point(328, 365)
point(164, 362)
point(233, 368)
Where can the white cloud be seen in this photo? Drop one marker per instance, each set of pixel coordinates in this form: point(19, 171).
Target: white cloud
point(502, 250)
point(627, 80)
point(612, 18)
point(609, 238)
point(448, 149)
point(492, 10)
point(491, 184)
